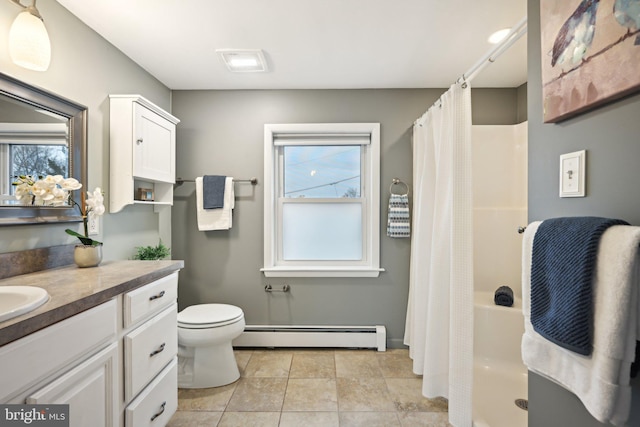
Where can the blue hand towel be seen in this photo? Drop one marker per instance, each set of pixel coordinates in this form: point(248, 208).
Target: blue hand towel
point(562, 263)
point(213, 191)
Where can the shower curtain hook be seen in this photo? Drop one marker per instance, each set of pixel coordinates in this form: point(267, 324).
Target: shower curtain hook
point(462, 80)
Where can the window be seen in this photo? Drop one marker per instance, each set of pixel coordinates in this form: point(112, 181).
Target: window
point(35, 149)
point(322, 210)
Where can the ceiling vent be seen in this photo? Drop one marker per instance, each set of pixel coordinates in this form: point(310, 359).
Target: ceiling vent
point(243, 60)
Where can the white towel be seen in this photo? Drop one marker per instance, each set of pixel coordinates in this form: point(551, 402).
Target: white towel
point(601, 380)
point(215, 219)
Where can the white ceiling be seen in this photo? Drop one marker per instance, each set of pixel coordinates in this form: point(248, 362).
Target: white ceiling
point(312, 44)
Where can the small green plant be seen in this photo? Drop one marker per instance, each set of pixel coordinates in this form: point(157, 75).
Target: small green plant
point(152, 252)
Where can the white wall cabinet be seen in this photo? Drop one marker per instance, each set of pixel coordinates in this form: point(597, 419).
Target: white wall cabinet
point(142, 152)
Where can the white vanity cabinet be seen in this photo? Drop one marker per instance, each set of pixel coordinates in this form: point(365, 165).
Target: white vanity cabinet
point(72, 362)
point(114, 364)
point(150, 339)
point(89, 388)
point(142, 152)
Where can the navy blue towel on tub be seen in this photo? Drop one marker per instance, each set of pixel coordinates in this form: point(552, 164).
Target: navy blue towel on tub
point(503, 296)
point(562, 264)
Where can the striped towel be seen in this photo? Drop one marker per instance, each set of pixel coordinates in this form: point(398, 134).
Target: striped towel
point(398, 224)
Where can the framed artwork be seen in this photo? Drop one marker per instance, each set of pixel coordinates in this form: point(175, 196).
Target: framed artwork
point(590, 54)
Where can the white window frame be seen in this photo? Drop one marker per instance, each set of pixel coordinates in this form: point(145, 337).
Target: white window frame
point(25, 134)
point(369, 266)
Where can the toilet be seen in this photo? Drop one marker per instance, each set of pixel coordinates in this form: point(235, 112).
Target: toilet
point(205, 354)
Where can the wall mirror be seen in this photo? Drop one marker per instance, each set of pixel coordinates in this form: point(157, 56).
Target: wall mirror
point(41, 134)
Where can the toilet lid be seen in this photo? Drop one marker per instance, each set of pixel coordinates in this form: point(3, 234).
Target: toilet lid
point(209, 314)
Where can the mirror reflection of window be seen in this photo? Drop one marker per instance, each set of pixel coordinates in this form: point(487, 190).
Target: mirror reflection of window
point(32, 142)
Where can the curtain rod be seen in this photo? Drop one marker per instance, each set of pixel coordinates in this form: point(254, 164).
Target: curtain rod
point(514, 35)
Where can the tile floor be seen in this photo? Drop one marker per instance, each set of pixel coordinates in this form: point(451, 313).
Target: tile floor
point(305, 388)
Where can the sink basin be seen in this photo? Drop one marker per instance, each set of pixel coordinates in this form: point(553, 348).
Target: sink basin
point(17, 300)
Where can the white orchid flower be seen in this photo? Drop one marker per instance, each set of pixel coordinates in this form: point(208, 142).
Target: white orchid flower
point(43, 190)
point(23, 193)
point(60, 196)
point(52, 179)
point(95, 202)
point(70, 184)
point(54, 190)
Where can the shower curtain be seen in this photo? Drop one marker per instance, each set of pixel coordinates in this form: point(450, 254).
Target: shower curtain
point(439, 324)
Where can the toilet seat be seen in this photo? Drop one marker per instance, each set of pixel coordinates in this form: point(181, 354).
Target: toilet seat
point(205, 316)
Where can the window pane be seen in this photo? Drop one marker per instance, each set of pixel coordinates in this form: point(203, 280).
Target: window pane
point(322, 231)
point(39, 160)
point(322, 171)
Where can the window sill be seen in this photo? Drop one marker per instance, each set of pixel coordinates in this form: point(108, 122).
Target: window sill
point(321, 272)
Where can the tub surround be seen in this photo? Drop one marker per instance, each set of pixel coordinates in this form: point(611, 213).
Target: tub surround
point(500, 377)
point(73, 290)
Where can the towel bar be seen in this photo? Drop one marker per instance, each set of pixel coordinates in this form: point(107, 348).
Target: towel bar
point(253, 181)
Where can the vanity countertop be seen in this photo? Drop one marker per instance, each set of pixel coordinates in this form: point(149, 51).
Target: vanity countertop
point(73, 290)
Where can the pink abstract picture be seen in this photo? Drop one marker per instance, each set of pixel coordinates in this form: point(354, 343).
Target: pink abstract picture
point(590, 54)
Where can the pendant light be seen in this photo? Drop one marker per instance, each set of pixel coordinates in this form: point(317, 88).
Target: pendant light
point(29, 44)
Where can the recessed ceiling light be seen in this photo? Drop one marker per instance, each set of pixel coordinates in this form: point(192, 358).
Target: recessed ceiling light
point(243, 60)
point(498, 36)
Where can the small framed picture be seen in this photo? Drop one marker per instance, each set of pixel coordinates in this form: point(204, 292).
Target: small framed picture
point(145, 194)
point(572, 172)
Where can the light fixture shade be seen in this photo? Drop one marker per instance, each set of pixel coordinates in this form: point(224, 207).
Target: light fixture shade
point(29, 44)
point(498, 36)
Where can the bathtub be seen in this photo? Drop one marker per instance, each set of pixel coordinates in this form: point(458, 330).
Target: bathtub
point(500, 377)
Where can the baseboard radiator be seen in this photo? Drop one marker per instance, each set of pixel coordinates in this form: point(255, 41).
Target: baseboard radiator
point(313, 336)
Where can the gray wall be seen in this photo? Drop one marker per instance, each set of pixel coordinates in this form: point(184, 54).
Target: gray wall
point(222, 133)
point(86, 69)
point(610, 136)
point(521, 100)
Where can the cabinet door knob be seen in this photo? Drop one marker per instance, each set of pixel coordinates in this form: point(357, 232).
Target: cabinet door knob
point(161, 411)
point(159, 350)
point(139, 141)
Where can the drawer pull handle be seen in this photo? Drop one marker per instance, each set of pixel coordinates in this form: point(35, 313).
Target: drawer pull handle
point(160, 295)
point(161, 411)
point(159, 350)
point(140, 141)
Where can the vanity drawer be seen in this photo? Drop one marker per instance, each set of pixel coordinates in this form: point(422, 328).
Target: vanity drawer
point(148, 299)
point(148, 349)
point(158, 402)
point(29, 360)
